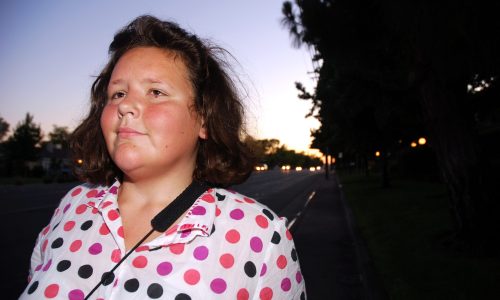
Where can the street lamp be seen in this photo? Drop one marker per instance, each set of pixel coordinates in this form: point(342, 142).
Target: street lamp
point(422, 141)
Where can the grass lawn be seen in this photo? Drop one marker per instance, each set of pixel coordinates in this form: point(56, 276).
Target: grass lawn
point(404, 227)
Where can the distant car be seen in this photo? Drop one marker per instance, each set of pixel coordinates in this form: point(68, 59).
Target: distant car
point(261, 167)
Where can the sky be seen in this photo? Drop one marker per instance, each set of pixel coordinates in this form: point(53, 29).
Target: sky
point(51, 50)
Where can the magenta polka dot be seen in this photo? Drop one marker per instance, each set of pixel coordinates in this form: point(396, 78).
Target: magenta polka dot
point(263, 270)
point(38, 267)
point(218, 285)
point(95, 249)
point(47, 266)
point(298, 276)
point(76, 295)
point(198, 210)
point(236, 214)
point(113, 190)
point(185, 233)
point(286, 284)
point(200, 253)
point(256, 244)
point(65, 209)
point(164, 268)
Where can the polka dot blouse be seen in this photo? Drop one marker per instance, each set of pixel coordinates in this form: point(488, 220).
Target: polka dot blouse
point(227, 246)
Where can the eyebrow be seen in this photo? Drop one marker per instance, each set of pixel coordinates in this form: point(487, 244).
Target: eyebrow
point(147, 80)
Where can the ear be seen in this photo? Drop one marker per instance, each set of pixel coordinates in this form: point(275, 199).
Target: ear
point(202, 134)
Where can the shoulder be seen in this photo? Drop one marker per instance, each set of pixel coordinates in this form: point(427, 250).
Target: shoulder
point(239, 211)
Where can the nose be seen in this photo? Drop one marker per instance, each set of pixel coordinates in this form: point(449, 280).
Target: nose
point(128, 107)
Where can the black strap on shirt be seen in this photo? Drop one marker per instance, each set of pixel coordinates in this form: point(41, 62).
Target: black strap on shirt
point(161, 222)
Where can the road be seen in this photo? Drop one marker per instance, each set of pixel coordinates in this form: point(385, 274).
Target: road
point(27, 209)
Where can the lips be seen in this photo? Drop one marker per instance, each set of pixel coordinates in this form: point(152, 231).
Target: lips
point(128, 132)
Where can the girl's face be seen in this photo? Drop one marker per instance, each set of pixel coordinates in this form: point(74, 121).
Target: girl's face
point(149, 122)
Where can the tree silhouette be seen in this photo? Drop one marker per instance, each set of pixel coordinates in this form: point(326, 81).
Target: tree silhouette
point(4, 128)
point(385, 63)
point(23, 145)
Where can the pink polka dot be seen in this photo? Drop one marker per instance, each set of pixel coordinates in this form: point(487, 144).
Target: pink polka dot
point(198, 210)
point(208, 198)
point(263, 270)
point(106, 204)
point(76, 295)
point(140, 262)
point(81, 209)
point(176, 248)
point(76, 192)
point(288, 235)
point(281, 262)
point(242, 294)
point(38, 267)
point(51, 291)
point(95, 249)
point(113, 214)
point(236, 214)
point(256, 244)
point(192, 276)
point(92, 194)
point(226, 260)
point(218, 285)
point(120, 232)
point(142, 248)
point(248, 200)
point(171, 230)
point(286, 284)
point(164, 268)
point(200, 253)
point(298, 277)
point(233, 236)
point(103, 230)
point(217, 212)
point(44, 245)
point(75, 246)
point(266, 294)
point(69, 225)
point(261, 221)
point(116, 255)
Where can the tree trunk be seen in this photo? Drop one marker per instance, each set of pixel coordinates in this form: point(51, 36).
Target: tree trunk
point(463, 168)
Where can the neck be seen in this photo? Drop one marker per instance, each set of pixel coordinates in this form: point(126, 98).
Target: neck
point(152, 191)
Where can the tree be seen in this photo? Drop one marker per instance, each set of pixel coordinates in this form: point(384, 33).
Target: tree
point(23, 145)
point(421, 54)
point(59, 135)
point(4, 128)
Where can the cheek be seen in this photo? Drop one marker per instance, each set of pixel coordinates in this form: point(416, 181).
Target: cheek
point(107, 119)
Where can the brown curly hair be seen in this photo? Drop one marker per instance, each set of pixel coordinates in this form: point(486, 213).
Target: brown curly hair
point(222, 159)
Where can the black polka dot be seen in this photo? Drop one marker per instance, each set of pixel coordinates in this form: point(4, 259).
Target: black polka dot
point(155, 291)
point(131, 285)
point(53, 228)
point(250, 269)
point(182, 296)
point(276, 238)
point(85, 271)
point(86, 225)
point(268, 214)
point(57, 243)
point(294, 254)
point(32, 288)
point(63, 265)
point(213, 229)
point(107, 278)
point(302, 296)
point(220, 198)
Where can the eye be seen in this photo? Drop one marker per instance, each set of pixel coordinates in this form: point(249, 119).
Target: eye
point(157, 93)
point(117, 95)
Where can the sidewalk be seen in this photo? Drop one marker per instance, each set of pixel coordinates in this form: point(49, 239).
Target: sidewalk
point(333, 258)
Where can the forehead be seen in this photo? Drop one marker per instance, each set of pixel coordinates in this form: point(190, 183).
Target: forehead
point(143, 60)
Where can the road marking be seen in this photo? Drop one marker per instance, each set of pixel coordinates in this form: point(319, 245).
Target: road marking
point(295, 218)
